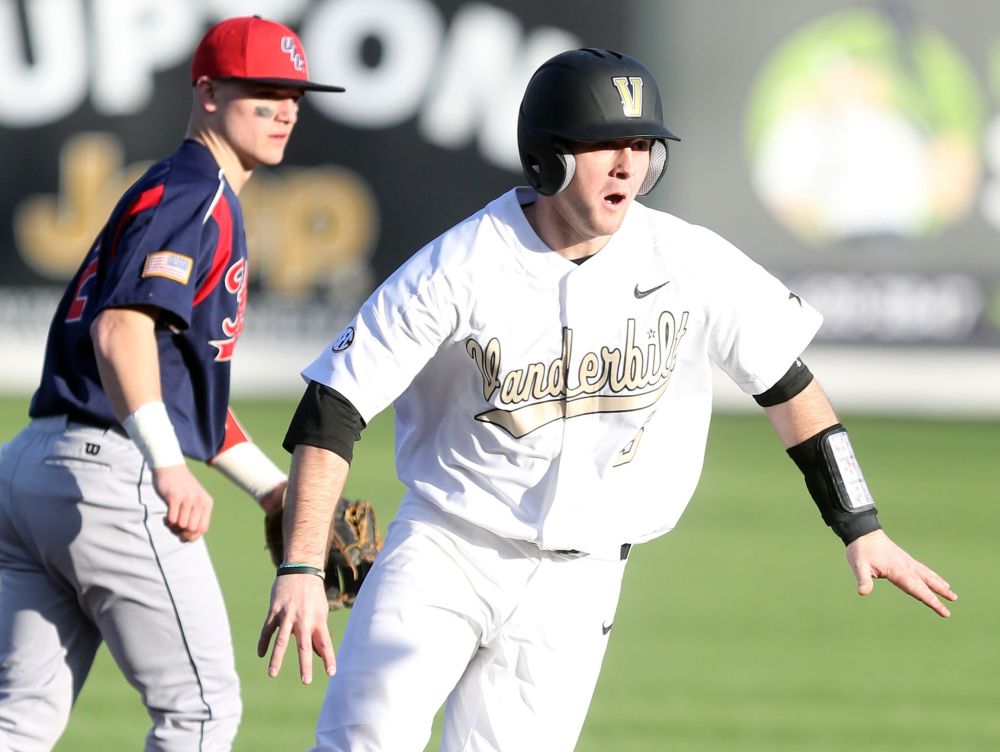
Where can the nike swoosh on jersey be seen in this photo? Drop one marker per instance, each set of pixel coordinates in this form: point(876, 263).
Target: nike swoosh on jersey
point(643, 293)
point(605, 628)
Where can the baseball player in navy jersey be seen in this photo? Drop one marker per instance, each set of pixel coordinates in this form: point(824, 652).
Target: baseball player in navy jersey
point(549, 363)
point(101, 521)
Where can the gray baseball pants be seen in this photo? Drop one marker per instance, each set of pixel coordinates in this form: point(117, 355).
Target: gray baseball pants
point(85, 557)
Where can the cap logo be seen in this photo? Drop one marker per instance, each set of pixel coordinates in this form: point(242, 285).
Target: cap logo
point(289, 48)
point(630, 90)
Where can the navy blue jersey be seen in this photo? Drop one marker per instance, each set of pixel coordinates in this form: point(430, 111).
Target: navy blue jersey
point(175, 241)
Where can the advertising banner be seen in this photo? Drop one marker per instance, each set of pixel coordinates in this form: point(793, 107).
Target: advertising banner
point(851, 147)
point(94, 91)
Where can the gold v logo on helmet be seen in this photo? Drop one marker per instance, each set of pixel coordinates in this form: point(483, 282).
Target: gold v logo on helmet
point(630, 89)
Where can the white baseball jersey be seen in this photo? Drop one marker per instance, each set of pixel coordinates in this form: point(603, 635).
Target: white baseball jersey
point(563, 404)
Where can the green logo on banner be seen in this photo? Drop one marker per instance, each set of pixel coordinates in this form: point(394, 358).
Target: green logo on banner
point(865, 124)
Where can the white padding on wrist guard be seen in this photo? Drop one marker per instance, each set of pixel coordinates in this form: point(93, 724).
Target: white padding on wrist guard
point(249, 468)
point(852, 490)
point(150, 429)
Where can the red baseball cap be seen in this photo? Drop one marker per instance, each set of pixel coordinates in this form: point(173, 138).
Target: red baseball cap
point(254, 49)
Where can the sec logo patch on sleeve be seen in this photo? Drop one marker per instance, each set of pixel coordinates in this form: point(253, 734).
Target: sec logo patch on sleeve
point(175, 266)
point(345, 340)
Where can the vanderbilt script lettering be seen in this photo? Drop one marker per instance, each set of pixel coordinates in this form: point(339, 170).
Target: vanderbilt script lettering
point(617, 379)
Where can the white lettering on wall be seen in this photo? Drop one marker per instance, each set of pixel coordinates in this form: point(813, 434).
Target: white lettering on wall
point(484, 66)
point(131, 41)
point(55, 83)
point(462, 84)
point(409, 33)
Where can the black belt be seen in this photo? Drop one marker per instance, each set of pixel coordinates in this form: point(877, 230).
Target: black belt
point(626, 547)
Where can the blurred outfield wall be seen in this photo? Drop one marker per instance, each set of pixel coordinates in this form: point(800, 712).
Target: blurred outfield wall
point(848, 146)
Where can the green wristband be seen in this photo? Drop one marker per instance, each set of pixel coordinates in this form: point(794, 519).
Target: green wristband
point(300, 569)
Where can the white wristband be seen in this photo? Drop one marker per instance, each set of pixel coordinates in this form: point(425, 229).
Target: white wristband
point(249, 468)
point(153, 433)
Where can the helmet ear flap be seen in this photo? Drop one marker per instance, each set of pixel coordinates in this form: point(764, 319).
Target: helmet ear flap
point(560, 173)
point(547, 166)
point(547, 174)
point(569, 170)
point(658, 158)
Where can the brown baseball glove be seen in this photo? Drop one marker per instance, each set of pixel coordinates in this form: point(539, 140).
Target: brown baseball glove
point(353, 544)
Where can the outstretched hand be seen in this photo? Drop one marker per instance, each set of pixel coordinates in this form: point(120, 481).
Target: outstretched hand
point(298, 607)
point(876, 556)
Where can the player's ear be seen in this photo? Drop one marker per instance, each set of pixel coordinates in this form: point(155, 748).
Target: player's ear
point(206, 93)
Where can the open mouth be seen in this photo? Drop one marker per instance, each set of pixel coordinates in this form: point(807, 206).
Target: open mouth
point(614, 198)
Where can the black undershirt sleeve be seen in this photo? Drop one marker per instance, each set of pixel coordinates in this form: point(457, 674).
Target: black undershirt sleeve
point(796, 378)
point(325, 419)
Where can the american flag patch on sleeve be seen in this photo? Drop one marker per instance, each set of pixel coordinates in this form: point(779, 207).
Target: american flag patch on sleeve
point(175, 266)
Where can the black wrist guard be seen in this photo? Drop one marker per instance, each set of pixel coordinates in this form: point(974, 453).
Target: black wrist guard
point(836, 484)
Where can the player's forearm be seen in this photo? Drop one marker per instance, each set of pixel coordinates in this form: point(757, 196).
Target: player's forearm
point(804, 415)
point(315, 482)
point(127, 358)
point(128, 361)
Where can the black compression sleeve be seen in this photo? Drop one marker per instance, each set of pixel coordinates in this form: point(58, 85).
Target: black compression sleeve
point(796, 378)
point(325, 419)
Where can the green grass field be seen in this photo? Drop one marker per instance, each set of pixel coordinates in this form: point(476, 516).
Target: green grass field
point(739, 631)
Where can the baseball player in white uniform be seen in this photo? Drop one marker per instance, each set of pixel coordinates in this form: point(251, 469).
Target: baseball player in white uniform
point(548, 360)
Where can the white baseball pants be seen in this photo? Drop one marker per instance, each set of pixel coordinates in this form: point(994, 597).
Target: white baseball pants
point(509, 637)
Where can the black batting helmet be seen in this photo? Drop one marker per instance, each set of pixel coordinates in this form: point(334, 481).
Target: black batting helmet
point(587, 95)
